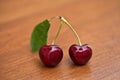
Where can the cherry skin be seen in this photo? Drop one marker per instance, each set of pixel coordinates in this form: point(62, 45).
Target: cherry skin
point(80, 55)
point(50, 55)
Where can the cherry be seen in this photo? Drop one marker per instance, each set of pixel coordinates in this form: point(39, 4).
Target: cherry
point(50, 55)
point(80, 55)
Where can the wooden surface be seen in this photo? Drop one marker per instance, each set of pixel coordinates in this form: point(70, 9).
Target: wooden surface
point(96, 21)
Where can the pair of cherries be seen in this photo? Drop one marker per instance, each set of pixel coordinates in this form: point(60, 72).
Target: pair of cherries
point(51, 55)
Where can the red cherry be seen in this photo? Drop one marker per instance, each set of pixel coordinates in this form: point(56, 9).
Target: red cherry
point(80, 55)
point(50, 55)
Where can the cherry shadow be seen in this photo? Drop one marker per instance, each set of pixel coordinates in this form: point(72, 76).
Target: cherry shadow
point(78, 71)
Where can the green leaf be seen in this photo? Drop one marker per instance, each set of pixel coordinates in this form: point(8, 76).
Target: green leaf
point(39, 35)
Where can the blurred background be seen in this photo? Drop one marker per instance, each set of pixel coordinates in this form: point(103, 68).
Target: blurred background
point(84, 10)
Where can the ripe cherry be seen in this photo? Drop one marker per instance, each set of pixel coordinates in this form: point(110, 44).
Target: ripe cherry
point(80, 55)
point(50, 55)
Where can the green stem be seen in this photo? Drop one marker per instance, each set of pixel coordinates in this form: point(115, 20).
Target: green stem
point(53, 42)
point(68, 24)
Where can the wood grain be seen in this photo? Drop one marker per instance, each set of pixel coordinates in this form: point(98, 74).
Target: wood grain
point(96, 21)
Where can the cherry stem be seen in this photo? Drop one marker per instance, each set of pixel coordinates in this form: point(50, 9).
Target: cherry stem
point(53, 42)
point(69, 25)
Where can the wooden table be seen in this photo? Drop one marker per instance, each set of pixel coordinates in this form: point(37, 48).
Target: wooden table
point(96, 21)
